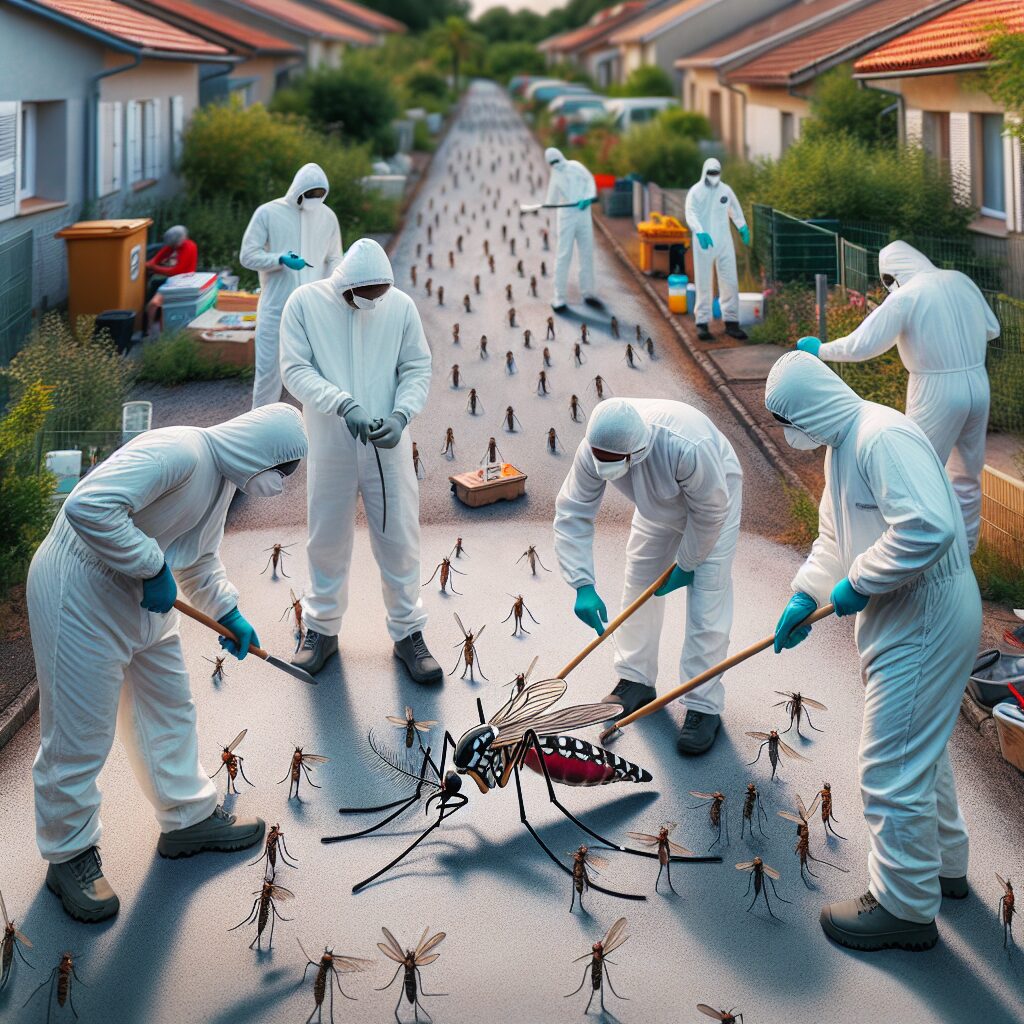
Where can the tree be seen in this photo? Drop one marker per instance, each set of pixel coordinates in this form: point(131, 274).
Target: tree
point(840, 105)
point(499, 25)
point(1004, 80)
point(420, 14)
point(507, 59)
point(456, 39)
point(649, 80)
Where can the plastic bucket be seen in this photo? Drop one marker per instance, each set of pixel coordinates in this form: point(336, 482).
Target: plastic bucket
point(1010, 730)
point(66, 466)
point(120, 323)
point(751, 307)
point(677, 292)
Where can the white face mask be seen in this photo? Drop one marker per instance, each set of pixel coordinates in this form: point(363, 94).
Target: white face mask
point(796, 438)
point(311, 202)
point(268, 484)
point(712, 180)
point(612, 470)
point(361, 302)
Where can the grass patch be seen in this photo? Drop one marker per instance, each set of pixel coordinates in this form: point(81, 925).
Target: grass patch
point(179, 359)
point(803, 513)
point(999, 579)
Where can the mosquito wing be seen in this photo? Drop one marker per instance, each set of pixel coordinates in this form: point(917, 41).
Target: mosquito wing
point(814, 704)
point(679, 851)
point(788, 694)
point(789, 751)
point(425, 726)
point(814, 805)
point(238, 739)
point(578, 717)
point(315, 758)
point(790, 816)
point(424, 960)
point(616, 936)
point(801, 808)
point(395, 720)
point(392, 950)
point(529, 671)
point(279, 892)
point(476, 638)
point(594, 861)
point(745, 865)
point(426, 946)
point(465, 632)
point(351, 964)
point(771, 872)
point(3, 906)
point(304, 953)
point(709, 1011)
point(999, 879)
point(758, 735)
point(702, 796)
point(23, 939)
point(643, 838)
point(530, 702)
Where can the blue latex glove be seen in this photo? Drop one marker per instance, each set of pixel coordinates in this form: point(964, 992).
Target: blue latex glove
point(809, 344)
point(847, 600)
point(787, 635)
point(357, 420)
point(585, 204)
point(745, 234)
point(590, 608)
point(236, 622)
point(292, 260)
point(159, 592)
point(677, 578)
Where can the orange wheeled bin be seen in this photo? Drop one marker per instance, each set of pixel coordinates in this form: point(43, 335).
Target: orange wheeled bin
point(106, 266)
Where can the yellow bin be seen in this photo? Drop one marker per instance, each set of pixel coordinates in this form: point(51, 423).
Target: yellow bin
point(106, 266)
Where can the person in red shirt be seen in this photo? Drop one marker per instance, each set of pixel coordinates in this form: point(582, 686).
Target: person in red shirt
point(179, 254)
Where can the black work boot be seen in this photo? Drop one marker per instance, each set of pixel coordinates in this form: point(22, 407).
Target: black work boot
point(560, 308)
point(84, 893)
point(316, 649)
point(415, 655)
point(703, 334)
point(698, 732)
point(733, 329)
point(864, 924)
point(955, 888)
point(631, 696)
point(593, 302)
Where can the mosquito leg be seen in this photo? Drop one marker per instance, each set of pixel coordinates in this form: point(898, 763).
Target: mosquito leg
point(589, 1001)
point(390, 983)
point(719, 839)
point(582, 983)
point(401, 856)
point(725, 822)
point(251, 917)
point(829, 828)
point(766, 903)
point(668, 872)
point(776, 891)
point(373, 828)
point(423, 992)
point(608, 976)
point(750, 879)
point(658, 879)
point(241, 772)
point(48, 980)
point(811, 724)
point(17, 946)
point(398, 1004)
point(758, 758)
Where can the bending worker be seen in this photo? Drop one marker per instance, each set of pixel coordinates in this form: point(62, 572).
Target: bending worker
point(354, 353)
point(178, 255)
point(710, 205)
point(100, 594)
point(683, 476)
point(892, 550)
point(573, 191)
point(291, 241)
point(941, 325)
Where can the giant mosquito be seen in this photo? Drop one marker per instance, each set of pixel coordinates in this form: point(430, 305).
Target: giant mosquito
point(492, 754)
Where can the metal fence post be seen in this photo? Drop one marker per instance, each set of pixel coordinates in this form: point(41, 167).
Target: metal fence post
point(821, 300)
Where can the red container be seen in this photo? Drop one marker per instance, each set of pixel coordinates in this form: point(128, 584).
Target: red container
point(604, 181)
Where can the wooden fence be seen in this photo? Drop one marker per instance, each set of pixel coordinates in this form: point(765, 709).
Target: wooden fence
point(1002, 514)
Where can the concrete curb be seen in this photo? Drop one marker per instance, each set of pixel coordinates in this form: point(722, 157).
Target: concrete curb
point(18, 712)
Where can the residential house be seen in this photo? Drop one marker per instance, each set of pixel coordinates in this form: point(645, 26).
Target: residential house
point(673, 30)
point(935, 70)
point(377, 24)
point(323, 37)
point(589, 47)
point(93, 99)
point(262, 62)
point(775, 83)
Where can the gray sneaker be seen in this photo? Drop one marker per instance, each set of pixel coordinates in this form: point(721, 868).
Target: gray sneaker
point(864, 924)
point(419, 662)
point(84, 893)
point(698, 732)
point(955, 888)
point(220, 831)
point(631, 696)
point(315, 650)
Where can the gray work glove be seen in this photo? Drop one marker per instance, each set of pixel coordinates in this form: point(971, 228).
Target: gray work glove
point(356, 419)
point(389, 433)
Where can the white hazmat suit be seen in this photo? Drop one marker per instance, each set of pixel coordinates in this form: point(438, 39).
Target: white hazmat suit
point(709, 208)
point(100, 657)
point(283, 225)
point(379, 357)
point(570, 183)
point(941, 324)
point(687, 486)
point(889, 521)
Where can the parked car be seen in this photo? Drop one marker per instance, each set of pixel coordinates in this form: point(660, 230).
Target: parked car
point(518, 83)
point(565, 109)
point(545, 91)
point(627, 112)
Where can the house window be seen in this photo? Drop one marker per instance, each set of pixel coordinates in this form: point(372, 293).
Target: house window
point(935, 133)
point(109, 149)
point(992, 177)
point(143, 141)
point(715, 112)
point(29, 148)
point(787, 130)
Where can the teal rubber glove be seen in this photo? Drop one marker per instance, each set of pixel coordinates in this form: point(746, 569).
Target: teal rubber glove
point(246, 635)
point(847, 601)
point(809, 344)
point(677, 578)
point(292, 260)
point(585, 204)
point(159, 592)
point(590, 608)
point(389, 433)
point(357, 420)
point(745, 234)
point(788, 631)
point(705, 240)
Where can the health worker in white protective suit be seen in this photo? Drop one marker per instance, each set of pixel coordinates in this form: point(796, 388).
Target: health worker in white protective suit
point(572, 189)
point(941, 325)
point(354, 353)
point(891, 549)
point(683, 476)
point(710, 205)
point(290, 241)
point(101, 589)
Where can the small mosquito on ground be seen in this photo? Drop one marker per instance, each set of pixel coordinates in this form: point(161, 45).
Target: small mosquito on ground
point(775, 747)
point(796, 705)
point(276, 560)
point(717, 818)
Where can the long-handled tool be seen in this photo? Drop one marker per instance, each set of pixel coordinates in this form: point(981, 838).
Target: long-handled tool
point(537, 207)
point(683, 688)
point(270, 659)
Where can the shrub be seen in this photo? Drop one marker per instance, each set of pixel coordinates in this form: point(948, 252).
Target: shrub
point(840, 105)
point(179, 359)
point(665, 150)
point(648, 80)
point(514, 58)
point(998, 578)
point(424, 85)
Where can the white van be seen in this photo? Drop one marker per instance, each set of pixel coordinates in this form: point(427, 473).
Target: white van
point(634, 110)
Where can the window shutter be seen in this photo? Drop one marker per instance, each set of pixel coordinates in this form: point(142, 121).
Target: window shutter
point(116, 151)
point(10, 118)
point(156, 150)
point(177, 128)
point(913, 127)
point(134, 140)
point(960, 156)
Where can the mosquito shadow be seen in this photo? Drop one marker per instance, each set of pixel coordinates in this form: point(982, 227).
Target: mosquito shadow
point(258, 1006)
point(591, 319)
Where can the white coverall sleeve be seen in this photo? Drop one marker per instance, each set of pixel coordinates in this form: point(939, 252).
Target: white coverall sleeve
point(735, 210)
point(877, 333)
point(253, 254)
point(917, 509)
point(299, 371)
point(693, 221)
point(334, 251)
point(413, 369)
point(823, 568)
point(101, 507)
point(205, 584)
point(701, 475)
point(576, 508)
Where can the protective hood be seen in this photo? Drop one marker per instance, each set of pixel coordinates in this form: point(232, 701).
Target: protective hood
point(308, 176)
point(711, 164)
point(365, 263)
point(552, 154)
point(903, 261)
point(257, 441)
point(804, 391)
point(616, 426)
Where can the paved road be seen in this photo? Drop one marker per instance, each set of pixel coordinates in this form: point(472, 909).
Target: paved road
point(511, 940)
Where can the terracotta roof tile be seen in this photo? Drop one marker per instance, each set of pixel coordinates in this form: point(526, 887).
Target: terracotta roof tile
point(959, 36)
point(365, 17)
point(244, 36)
point(308, 19)
point(639, 30)
point(838, 39)
point(131, 26)
point(598, 28)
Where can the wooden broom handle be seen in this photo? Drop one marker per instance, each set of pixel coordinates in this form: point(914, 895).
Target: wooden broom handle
point(616, 622)
point(730, 662)
point(195, 613)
